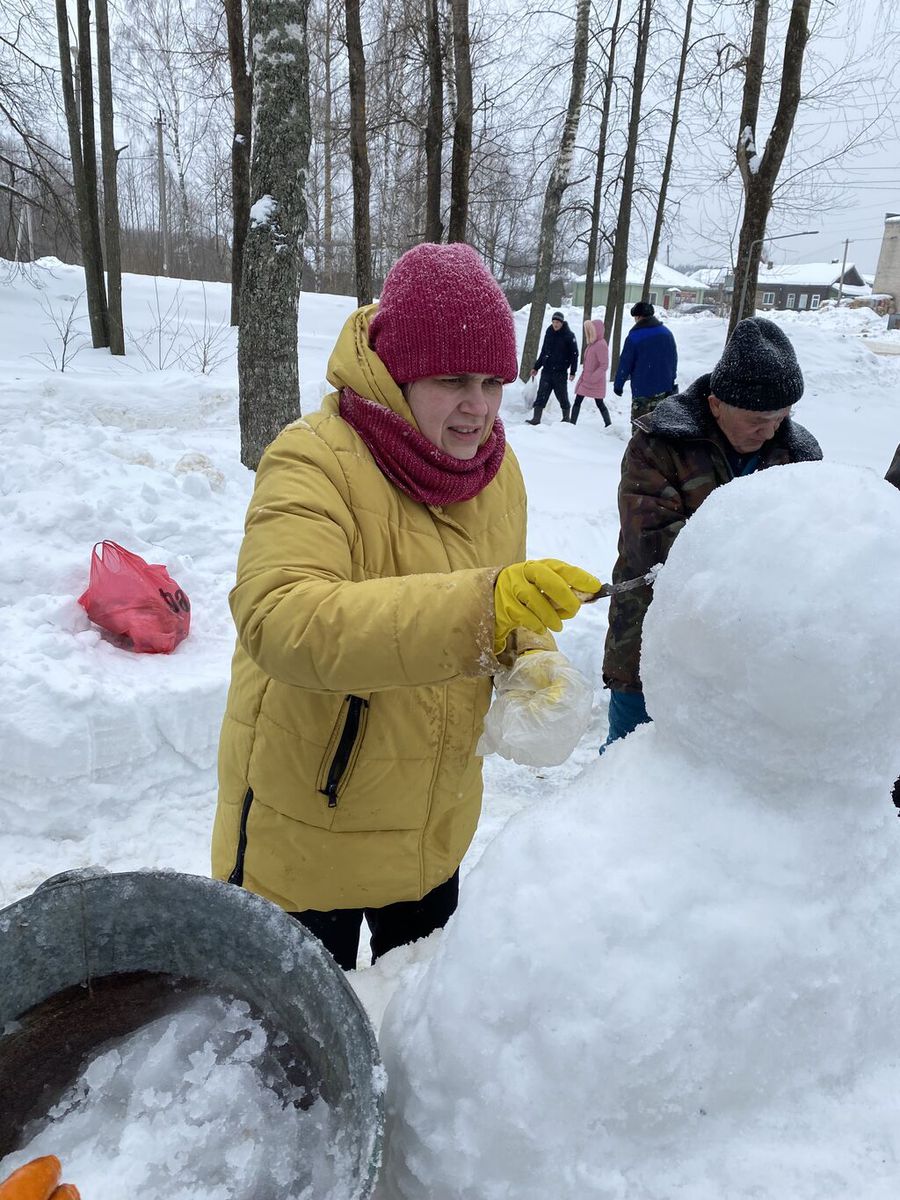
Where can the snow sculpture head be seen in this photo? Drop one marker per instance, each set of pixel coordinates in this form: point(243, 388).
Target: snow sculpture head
point(772, 645)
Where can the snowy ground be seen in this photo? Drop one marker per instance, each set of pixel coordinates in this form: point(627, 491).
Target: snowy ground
point(110, 756)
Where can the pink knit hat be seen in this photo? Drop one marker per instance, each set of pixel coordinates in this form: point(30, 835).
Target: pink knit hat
point(441, 312)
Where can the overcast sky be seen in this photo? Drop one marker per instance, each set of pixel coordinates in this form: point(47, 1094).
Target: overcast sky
point(850, 86)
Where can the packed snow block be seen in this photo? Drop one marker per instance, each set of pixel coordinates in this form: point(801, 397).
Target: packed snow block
point(682, 979)
point(90, 958)
point(772, 645)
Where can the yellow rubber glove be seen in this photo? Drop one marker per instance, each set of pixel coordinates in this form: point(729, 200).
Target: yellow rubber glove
point(537, 595)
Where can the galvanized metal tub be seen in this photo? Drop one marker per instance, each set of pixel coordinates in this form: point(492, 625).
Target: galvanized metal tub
point(90, 956)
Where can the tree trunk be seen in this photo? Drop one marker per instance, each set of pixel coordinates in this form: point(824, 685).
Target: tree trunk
point(185, 246)
point(759, 173)
point(556, 187)
point(110, 158)
point(462, 127)
point(670, 149)
point(434, 126)
point(100, 334)
point(165, 250)
point(327, 167)
point(618, 272)
point(597, 202)
point(268, 370)
point(242, 92)
point(90, 250)
point(359, 155)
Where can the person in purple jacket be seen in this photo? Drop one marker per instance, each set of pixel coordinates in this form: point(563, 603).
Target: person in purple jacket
point(592, 380)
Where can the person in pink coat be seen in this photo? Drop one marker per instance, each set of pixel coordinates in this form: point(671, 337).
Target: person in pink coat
point(592, 380)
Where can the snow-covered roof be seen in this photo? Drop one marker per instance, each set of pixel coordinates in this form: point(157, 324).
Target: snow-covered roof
point(663, 278)
point(712, 276)
point(805, 274)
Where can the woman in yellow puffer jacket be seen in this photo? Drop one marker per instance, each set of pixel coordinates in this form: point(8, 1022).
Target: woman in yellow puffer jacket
point(379, 585)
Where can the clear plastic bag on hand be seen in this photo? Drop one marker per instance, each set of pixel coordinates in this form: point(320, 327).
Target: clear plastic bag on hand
point(542, 707)
point(529, 392)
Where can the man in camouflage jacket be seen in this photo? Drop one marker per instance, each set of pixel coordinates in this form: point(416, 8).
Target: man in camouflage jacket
point(732, 422)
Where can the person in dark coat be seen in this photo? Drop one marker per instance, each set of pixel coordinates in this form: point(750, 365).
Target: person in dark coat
point(649, 360)
point(557, 362)
point(893, 476)
point(733, 422)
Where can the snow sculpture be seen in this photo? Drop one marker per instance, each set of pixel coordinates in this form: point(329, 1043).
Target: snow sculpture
point(685, 983)
point(765, 647)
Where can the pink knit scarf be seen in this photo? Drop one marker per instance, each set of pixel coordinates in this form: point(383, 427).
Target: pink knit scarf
point(413, 464)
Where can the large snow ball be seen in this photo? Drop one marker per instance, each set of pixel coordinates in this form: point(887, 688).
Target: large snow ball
point(656, 988)
point(773, 641)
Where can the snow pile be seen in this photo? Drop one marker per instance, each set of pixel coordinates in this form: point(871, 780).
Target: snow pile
point(838, 319)
point(193, 1106)
point(681, 978)
point(762, 655)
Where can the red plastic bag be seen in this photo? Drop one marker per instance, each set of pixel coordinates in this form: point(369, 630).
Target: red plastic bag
point(136, 599)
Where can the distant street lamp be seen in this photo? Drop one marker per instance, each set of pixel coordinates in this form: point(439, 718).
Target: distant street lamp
point(758, 242)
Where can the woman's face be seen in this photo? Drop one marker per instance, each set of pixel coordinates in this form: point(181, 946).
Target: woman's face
point(455, 412)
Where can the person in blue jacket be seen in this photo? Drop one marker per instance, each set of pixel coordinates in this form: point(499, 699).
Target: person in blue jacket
point(557, 362)
point(649, 359)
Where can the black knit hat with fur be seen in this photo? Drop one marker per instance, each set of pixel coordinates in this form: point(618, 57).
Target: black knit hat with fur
point(758, 368)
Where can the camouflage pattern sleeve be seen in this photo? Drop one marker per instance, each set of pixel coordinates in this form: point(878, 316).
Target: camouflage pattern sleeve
point(652, 514)
point(650, 506)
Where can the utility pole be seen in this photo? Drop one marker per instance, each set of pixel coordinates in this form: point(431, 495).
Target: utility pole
point(161, 178)
point(843, 269)
point(779, 237)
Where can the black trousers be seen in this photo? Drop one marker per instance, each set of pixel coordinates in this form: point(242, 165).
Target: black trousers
point(601, 404)
point(391, 926)
point(556, 382)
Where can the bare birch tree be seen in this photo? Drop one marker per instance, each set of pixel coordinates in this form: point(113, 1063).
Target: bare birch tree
point(268, 369)
point(359, 154)
point(462, 125)
point(600, 167)
point(328, 153)
point(670, 148)
point(85, 191)
point(89, 154)
point(555, 190)
point(242, 100)
point(759, 171)
point(434, 124)
point(618, 271)
point(110, 158)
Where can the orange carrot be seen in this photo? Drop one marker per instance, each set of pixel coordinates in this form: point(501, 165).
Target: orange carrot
point(35, 1181)
point(66, 1191)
